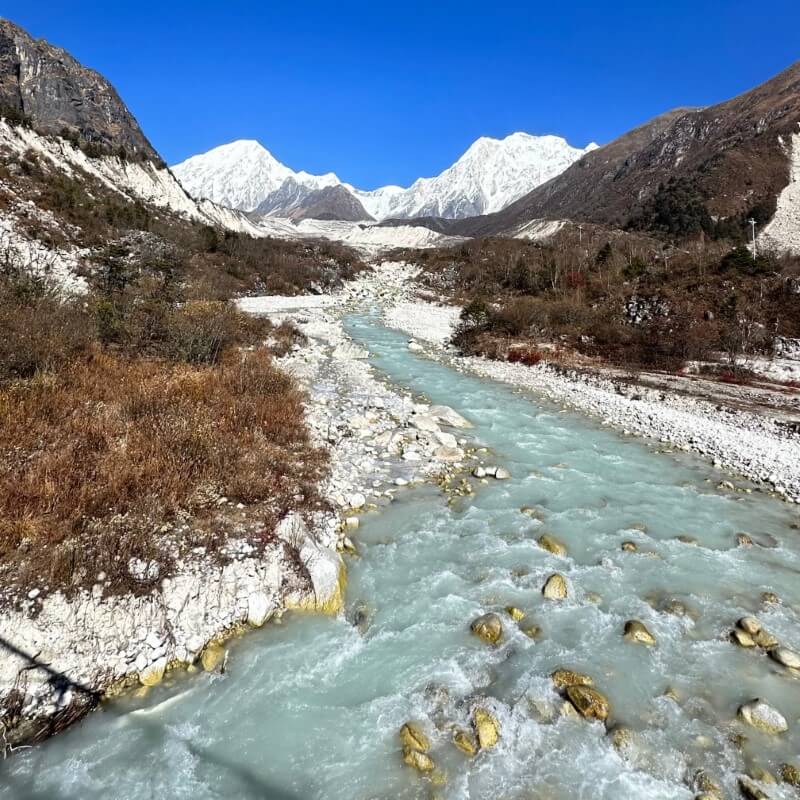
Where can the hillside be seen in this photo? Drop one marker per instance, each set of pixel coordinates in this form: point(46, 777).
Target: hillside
point(728, 162)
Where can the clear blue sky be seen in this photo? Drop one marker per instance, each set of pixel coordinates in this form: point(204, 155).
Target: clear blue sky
point(383, 93)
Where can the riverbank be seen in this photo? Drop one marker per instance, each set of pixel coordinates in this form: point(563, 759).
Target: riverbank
point(758, 441)
point(60, 657)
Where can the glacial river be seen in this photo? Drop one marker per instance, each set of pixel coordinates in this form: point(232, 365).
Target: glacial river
point(311, 708)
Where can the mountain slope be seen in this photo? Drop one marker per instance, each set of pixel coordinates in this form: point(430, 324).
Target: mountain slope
point(46, 87)
point(331, 202)
point(490, 175)
point(732, 160)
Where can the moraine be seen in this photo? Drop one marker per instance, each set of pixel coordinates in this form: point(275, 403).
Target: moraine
point(312, 708)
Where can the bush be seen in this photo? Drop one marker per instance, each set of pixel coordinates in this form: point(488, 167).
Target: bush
point(99, 457)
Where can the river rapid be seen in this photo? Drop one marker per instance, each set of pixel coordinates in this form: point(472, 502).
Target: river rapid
point(311, 708)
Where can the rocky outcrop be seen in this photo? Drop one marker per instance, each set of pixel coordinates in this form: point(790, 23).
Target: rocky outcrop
point(48, 87)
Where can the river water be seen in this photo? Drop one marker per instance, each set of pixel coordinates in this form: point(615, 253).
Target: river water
point(311, 708)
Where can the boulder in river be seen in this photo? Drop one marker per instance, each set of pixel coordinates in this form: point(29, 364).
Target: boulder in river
point(515, 613)
point(552, 545)
point(465, 742)
point(447, 416)
point(763, 717)
point(487, 729)
point(749, 625)
point(421, 762)
point(212, 657)
point(630, 547)
point(751, 790)
point(488, 627)
point(770, 598)
point(555, 587)
point(413, 737)
point(790, 774)
point(153, 673)
point(765, 639)
point(562, 678)
point(742, 638)
point(589, 703)
point(785, 657)
point(637, 632)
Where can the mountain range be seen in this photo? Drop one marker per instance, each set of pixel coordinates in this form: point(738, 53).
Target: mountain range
point(489, 176)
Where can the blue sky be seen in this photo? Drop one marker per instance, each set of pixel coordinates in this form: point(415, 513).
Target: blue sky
point(384, 93)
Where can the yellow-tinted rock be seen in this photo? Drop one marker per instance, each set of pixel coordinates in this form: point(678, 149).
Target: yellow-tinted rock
point(438, 778)
point(770, 598)
point(749, 625)
point(743, 540)
point(630, 547)
point(705, 784)
point(790, 774)
point(636, 631)
point(750, 790)
point(562, 678)
point(515, 613)
point(465, 742)
point(330, 606)
point(153, 674)
point(742, 638)
point(552, 545)
point(487, 728)
point(589, 702)
point(413, 737)
point(212, 657)
point(420, 761)
point(555, 587)
point(765, 639)
point(488, 627)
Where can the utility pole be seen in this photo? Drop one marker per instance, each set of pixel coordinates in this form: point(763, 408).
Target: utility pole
point(753, 226)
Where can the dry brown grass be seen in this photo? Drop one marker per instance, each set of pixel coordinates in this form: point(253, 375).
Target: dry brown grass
point(101, 455)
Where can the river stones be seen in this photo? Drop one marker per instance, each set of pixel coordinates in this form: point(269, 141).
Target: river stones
point(212, 657)
point(743, 540)
point(413, 737)
point(785, 657)
point(763, 717)
point(552, 545)
point(515, 613)
point(487, 729)
point(749, 625)
point(636, 632)
point(465, 742)
point(630, 547)
point(563, 678)
point(770, 598)
point(555, 587)
point(589, 703)
point(742, 638)
point(488, 627)
point(447, 416)
point(421, 762)
point(790, 774)
point(706, 786)
point(751, 790)
point(502, 474)
point(765, 639)
point(153, 673)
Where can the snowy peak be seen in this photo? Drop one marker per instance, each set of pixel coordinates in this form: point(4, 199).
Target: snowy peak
point(490, 175)
point(241, 175)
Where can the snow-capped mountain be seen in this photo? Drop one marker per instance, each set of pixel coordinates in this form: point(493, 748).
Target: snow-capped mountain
point(242, 174)
point(488, 177)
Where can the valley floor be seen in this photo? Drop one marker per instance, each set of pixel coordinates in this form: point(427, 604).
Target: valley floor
point(751, 432)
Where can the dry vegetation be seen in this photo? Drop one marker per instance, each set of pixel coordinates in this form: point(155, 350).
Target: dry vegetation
point(126, 418)
point(624, 298)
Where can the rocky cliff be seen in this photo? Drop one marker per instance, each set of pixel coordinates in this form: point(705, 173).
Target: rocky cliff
point(48, 88)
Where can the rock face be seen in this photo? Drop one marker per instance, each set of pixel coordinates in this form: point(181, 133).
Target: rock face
point(763, 716)
point(489, 627)
point(50, 88)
